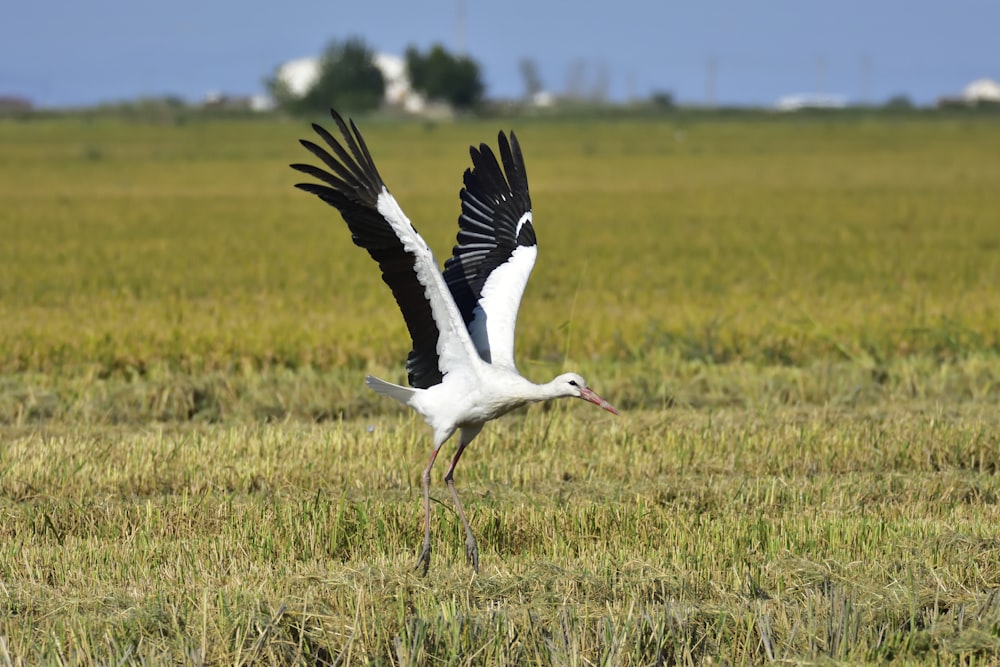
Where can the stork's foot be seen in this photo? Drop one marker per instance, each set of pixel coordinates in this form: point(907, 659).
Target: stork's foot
point(424, 560)
point(472, 553)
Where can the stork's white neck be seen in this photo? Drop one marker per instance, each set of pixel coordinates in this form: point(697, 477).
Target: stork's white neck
point(515, 390)
point(555, 388)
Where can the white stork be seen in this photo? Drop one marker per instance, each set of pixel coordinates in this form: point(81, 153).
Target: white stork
point(461, 369)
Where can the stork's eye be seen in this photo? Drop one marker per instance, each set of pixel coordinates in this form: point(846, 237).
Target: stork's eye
point(573, 383)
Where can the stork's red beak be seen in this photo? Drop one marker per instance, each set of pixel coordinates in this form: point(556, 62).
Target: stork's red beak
point(589, 394)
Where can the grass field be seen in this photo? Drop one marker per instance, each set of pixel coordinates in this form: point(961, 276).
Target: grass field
point(798, 316)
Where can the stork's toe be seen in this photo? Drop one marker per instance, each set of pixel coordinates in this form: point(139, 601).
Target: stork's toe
point(472, 553)
point(424, 560)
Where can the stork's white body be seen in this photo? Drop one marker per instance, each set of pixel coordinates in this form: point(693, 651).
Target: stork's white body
point(468, 398)
point(461, 321)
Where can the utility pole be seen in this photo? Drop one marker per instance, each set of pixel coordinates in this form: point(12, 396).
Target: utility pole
point(866, 79)
point(711, 67)
point(460, 28)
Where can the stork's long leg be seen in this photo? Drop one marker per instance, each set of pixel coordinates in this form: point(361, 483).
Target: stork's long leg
point(471, 548)
point(424, 560)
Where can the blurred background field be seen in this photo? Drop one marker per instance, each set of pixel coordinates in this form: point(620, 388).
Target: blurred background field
point(147, 256)
point(798, 315)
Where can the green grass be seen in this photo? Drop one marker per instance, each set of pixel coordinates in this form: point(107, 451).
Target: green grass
point(798, 316)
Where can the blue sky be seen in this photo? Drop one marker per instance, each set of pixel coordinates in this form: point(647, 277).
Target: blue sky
point(68, 53)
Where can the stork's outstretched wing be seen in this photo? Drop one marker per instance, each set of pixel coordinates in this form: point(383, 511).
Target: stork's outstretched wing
point(353, 186)
point(496, 249)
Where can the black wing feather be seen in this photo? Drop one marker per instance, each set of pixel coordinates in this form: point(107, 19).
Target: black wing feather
point(352, 187)
point(492, 205)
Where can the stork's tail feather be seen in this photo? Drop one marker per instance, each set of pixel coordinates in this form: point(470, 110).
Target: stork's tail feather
point(398, 392)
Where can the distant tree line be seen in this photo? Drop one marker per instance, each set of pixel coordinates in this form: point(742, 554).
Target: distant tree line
point(349, 79)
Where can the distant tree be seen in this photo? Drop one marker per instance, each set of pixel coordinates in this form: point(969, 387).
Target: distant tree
point(899, 102)
point(576, 80)
point(442, 76)
point(531, 78)
point(281, 93)
point(348, 80)
point(602, 82)
point(587, 82)
point(662, 99)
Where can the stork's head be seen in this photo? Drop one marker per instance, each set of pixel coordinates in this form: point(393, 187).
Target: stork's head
point(571, 384)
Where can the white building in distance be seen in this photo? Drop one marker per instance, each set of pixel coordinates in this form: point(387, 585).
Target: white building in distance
point(810, 101)
point(981, 90)
point(299, 76)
